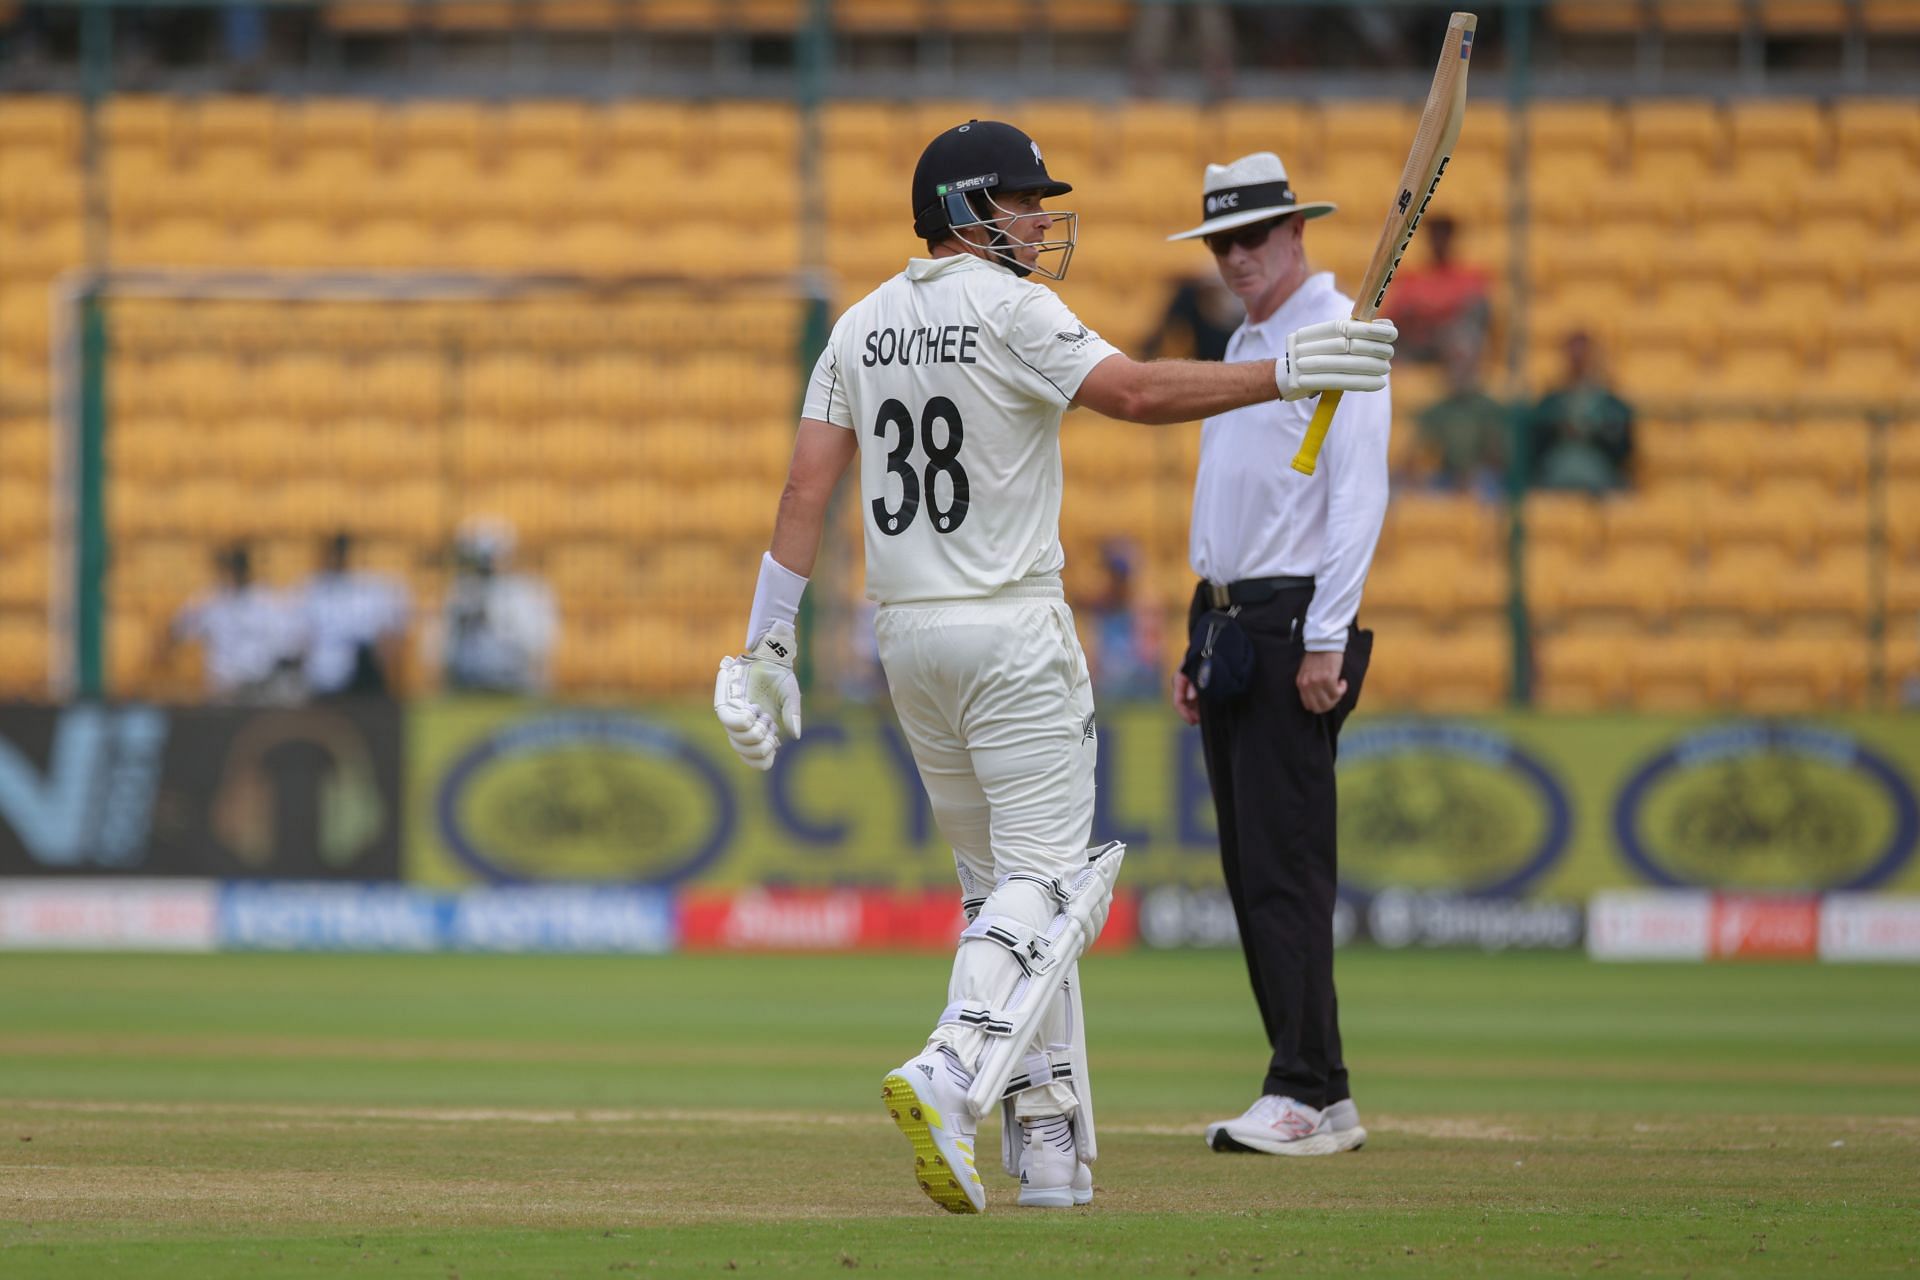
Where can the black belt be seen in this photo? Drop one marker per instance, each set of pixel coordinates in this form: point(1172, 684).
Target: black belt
point(1250, 590)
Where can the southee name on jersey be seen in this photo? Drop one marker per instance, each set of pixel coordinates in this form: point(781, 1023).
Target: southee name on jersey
point(937, 344)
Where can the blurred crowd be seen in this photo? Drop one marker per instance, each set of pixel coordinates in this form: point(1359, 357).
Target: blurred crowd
point(343, 632)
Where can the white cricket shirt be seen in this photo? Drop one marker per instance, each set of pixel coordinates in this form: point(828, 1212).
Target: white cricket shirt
point(1254, 516)
point(247, 634)
point(342, 612)
point(953, 375)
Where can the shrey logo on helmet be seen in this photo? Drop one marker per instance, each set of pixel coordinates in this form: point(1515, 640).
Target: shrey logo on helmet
point(959, 184)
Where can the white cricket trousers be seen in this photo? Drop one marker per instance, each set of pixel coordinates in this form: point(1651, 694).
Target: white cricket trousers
point(996, 703)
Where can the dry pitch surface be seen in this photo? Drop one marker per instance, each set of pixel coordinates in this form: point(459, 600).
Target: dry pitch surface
point(436, 1117)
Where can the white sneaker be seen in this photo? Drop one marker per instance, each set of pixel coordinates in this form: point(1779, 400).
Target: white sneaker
point(927, 1098)
point(1344, 1117)
point(1050, 1168)
point(1283, 1127)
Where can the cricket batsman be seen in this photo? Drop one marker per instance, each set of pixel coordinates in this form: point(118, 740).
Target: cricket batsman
point(949, 381)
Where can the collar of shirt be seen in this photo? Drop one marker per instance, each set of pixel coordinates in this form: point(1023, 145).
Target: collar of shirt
point(928, 268)
point(1300, 308)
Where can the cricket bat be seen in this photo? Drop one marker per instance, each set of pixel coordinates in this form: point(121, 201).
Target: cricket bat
point(1432, 148)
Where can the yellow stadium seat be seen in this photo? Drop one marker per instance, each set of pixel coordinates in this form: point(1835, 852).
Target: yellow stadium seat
point(1467, 672)
point(1580, 672)
point(243, 122)
point(1734, 592)
point(884, 17)
point(403, 243)
point(143, 121)
point(679, 15)
point(1432, 521)
point(1772, 518)
point(1089, 16)
point(866, 129)
point(339, 124)
point(1678, 126)
point(1859, 196)
point(1888, 127)
point(1889, 16)
point(1789, 674)
point(983, 15)
point(41, 123)
point(1768, 126)
point(1242, 125)
point(1377, 130)
point(565, 128)
point(1831, 598)
point(1168, 130)
point(1563, 128)
point(1803, 17)
point(372, 17)
point(579, 15)
point(652, 127)
point(1650, 200)
point(1599, 17)
point(1624, 594)
point(1880, 374)
point(770, 131)
point(1680, 673)
point(1662, 520)
point(1723, 200)
point(1713, 17)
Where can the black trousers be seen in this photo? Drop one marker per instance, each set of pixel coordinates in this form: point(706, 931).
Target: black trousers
point(1270, 765)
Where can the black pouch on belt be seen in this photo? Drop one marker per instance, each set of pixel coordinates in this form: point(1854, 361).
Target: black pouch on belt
point(1219, 658)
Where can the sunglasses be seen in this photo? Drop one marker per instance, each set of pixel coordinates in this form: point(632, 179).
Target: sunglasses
point(1251, 237)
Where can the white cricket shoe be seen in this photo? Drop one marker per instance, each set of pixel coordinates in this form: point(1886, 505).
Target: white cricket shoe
point(1283, 1127)
point(1051, 1174)
point(927, 1098)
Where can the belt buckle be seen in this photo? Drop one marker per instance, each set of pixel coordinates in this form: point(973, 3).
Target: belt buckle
point(1218, 596)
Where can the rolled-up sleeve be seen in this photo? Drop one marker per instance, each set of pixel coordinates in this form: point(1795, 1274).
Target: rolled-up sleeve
point(1355, 460)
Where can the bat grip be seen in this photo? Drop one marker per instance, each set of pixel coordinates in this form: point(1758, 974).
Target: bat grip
point(1309, 455)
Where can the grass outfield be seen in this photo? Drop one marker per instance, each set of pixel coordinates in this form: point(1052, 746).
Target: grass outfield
point(207, 1117)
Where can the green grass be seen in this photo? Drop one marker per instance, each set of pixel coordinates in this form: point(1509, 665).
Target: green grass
point(213, 1116)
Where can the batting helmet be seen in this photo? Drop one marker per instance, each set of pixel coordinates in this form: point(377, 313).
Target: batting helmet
point(962, 170)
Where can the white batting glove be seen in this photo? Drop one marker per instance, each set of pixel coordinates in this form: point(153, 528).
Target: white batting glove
point(757, 695)
point(1336, 355)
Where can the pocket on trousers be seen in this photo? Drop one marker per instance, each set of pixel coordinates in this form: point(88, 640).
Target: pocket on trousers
point(1220, 657)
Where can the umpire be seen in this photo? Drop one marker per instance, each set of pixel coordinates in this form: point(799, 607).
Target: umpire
point(1275, 660)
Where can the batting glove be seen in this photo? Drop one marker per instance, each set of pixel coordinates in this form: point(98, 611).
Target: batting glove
point(1336, 355)
point(757, 695)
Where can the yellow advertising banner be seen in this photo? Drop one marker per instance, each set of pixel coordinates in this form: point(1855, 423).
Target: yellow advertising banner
point(1515, 805)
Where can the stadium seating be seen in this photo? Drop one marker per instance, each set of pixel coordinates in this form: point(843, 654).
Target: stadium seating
point(1756, 254)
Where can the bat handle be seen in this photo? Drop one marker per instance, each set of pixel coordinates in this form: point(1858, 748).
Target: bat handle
point(1309, 455)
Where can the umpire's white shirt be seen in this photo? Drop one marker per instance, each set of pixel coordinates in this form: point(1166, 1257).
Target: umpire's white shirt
point(1254, 516)
point(953, 375)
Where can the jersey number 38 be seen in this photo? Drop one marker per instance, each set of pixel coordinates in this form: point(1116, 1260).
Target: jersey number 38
point(943, 459)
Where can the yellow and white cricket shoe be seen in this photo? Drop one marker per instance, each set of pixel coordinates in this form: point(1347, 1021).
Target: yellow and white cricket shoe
point(1285, 1127)
point(927, 1099)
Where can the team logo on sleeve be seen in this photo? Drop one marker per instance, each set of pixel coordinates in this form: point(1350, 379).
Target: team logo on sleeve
point(1073, 336)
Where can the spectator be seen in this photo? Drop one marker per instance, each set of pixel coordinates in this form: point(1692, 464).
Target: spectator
point(1444, 297)
point(1153, 38)
point(251, 636)
point(354, 623)
point(1200, 317)
point(1126, 650)
point(1465, 431)
point(500, 626)
point(1581, 435)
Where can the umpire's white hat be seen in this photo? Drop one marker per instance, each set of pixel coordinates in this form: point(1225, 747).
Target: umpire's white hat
point(1251, 189)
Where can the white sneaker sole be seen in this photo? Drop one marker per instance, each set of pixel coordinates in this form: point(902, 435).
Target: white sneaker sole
point(1221, 1137)
point(942, 1161)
